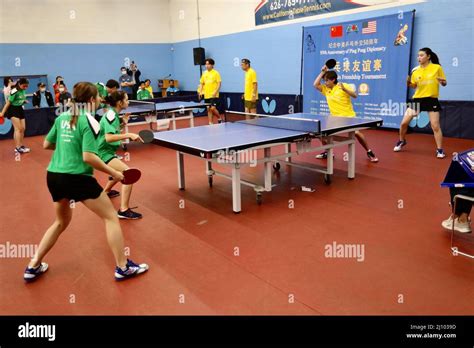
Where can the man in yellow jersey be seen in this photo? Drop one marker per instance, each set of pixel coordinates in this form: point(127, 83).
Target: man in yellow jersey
point(426, 79)
point(251, 87)
point(338, 96)
point(209, 87)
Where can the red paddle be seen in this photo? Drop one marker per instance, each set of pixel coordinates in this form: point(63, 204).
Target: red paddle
point(131, 176)
point(2, 120)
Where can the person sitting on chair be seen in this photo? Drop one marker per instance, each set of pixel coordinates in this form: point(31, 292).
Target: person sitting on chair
point(460, 217)
point(171, 90)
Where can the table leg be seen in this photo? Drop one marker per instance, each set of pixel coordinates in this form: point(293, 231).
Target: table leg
point(267, 152)
point(191, 119)
point(288, 150)
point(330, 159)
point(236, 197)
point(180, 158)
point(351, 163)
point(173, 118)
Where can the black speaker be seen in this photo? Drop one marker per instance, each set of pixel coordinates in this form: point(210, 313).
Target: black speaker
point(199, 56)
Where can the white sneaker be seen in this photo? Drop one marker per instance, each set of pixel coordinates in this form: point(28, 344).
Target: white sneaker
point(461, 227)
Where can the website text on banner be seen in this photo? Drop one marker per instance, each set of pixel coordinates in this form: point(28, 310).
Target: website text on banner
point(270, 11)
point(373, 57)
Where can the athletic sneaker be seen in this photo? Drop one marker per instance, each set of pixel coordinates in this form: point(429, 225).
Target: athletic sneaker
point(31, 274)
point(399, 145)
point(113, 194)
point(323, 155)
point(372, 156)
point(22, 150)
point(129, 214)
point(462, 227)
point(131, 270)
point(440, 153)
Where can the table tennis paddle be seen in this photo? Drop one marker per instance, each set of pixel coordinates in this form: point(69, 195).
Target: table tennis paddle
point(146, 135)
point(131, 176)
point(331, 63)
point(2, 120)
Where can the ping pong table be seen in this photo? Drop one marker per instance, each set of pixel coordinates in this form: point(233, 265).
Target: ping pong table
point(161, 113)
point(166, 112)
point(236, 144)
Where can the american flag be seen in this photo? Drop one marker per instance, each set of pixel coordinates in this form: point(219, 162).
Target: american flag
point(369, 27)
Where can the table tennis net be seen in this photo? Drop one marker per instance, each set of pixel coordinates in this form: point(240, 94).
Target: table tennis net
point(286, 122)
point(140, 107)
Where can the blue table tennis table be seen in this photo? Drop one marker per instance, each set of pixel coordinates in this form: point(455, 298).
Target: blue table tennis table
point(236, 144)
point(162, 113)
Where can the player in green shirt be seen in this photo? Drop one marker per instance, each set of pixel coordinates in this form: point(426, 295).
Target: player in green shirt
point(110, 139)
point(73, 138)
point(104, 91)
point(143, 93)
point(13, 110)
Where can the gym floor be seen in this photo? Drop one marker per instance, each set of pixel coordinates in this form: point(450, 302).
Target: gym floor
point(269, 259)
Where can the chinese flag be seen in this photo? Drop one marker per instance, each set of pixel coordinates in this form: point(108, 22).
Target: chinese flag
point(336, 31)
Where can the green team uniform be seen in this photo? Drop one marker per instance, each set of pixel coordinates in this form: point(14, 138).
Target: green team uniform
point(109, 124)
point(143, 94)
point(72, 142)
point(102, 93)
point(102, 89)
point(17, 97)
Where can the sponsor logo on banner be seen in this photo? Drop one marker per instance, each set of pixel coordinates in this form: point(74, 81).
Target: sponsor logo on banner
point(364, 89)
point(353, 28)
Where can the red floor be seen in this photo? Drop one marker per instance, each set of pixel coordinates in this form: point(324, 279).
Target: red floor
point(191, 250)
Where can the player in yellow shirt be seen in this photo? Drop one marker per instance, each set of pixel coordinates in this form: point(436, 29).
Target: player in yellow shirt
point(426, 79)
point(338, 96)
point(250, 88)
point(210, 85)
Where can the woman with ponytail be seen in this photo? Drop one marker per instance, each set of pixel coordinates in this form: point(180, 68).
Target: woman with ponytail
point(425, 79)
point(110, 139)
point(73, 138)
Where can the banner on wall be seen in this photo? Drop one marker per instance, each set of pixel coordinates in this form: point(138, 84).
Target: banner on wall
point(270, 11)
point(373, 57)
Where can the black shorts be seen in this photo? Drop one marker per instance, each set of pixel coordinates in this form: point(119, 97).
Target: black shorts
point(15, 111)
point(425, 104)
point(74, 187)
point(213, 101)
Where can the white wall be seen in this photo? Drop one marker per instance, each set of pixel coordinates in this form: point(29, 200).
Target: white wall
point(84, 21)
point(221, 17)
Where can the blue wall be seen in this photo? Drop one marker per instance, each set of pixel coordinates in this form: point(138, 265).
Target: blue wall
point(85, 62)
point(444, 25)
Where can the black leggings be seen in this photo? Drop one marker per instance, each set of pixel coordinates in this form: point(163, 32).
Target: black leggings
point(462, 205)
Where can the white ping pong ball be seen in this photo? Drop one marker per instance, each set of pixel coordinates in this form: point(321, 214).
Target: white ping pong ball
point(267, 98)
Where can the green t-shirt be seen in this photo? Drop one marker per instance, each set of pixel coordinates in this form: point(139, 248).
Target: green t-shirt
point(109, 124)
point(71, 143)
point(17, 97)
point(143, 94)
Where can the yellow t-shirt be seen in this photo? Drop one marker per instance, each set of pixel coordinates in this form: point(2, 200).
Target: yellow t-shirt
point(250, 79)
point(211, 80)
point(149, 89)
point(339, 102)
point(426, 80)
